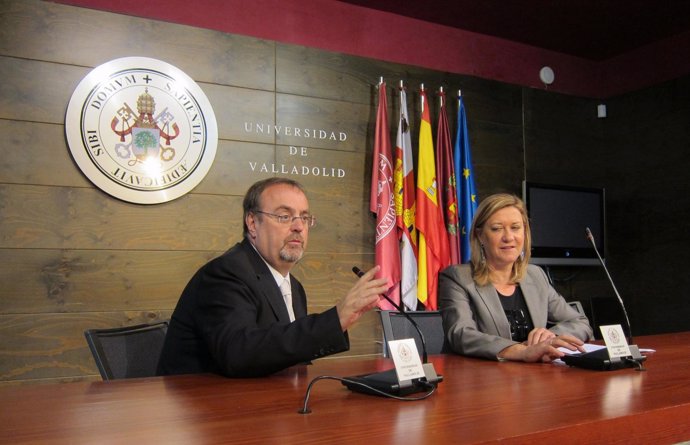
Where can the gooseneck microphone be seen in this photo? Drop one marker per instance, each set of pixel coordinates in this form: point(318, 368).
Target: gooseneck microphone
point(399, 308)
point(600, 360)
point(386, 382)
point(620, 300)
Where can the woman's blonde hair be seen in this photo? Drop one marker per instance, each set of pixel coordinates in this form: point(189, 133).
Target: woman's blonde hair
point(487, 207)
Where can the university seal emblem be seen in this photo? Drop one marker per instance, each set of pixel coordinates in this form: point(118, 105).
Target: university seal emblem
point(141, 130)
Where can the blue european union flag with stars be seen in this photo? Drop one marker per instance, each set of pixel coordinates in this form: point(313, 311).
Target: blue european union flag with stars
point(467, 192)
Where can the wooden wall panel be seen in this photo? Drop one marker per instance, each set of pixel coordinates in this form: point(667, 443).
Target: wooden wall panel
point(327, 277)
point(84, 37)
point(87, 260)
point(236, 166)
point(490, 101)
point(650, 203)
point(497, 155)
point(494, 110)
point(498, 179)
point(36, 91)
point(235, 106)
point(70, 218)
point(344, 223)
point(72, 257)
point(638, 154)
point(315, 73)
point(45, 281)
point(335, 125)
point(40, 347)
point(35, 153)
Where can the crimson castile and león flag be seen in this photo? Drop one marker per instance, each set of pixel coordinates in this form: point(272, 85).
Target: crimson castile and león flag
point(382, 204)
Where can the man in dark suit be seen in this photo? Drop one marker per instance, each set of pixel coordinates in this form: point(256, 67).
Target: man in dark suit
point(234, 319)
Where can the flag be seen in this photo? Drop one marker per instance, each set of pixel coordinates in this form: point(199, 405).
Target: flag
point(405, 207)
point(467, 192)
point(433, 243)
point(387, 253)
point(448, 194)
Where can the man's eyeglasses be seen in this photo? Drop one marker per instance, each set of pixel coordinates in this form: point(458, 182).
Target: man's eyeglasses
point(307, 220)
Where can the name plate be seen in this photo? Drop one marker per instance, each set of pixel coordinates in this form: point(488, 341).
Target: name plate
point(408, 365)
point(615, 341)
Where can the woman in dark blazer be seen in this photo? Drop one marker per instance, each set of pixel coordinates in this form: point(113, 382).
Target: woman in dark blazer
point(499, 306)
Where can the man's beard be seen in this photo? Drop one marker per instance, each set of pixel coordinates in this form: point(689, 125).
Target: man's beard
point(291, 255)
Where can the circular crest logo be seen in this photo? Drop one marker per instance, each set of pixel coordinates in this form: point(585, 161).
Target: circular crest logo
point(405, 352)
point(613, 335)
point(386, 223)
point(141, 130)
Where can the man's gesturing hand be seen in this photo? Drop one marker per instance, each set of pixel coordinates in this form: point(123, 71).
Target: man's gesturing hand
point(362, 297)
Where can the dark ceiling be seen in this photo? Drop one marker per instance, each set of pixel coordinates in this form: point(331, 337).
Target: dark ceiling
point(592, 29)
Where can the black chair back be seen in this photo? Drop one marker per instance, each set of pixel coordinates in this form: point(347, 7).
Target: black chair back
point(396, 327)
point(127, 352)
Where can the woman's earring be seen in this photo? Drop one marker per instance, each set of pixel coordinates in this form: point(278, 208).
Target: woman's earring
point(522, 256)
point(481, 252)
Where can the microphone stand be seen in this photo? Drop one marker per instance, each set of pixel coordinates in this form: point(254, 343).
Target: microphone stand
point(603, 265)
point(402, 312)
point(600, 359)
point(387, 377)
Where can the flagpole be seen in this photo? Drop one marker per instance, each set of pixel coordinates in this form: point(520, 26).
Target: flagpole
point(382, 202)
point(405, 189)
point(467, 195)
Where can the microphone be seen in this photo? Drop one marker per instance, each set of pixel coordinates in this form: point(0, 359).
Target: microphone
point(600, 359)
point(399, 308)
point(386, 382)
point(603, 265)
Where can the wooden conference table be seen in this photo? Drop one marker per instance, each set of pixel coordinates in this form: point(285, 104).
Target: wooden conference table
point(479, 402)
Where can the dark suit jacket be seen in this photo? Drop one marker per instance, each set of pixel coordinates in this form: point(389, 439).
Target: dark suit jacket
point(474, 320)
point(231, 319)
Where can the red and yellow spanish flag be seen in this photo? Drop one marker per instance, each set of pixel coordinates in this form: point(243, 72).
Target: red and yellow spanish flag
point(382, 203)
point(433, 243)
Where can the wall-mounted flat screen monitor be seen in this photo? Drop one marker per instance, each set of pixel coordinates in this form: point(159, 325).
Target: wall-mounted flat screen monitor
point(558, 217)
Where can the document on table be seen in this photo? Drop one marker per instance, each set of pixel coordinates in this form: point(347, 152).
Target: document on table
point(589, 347)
